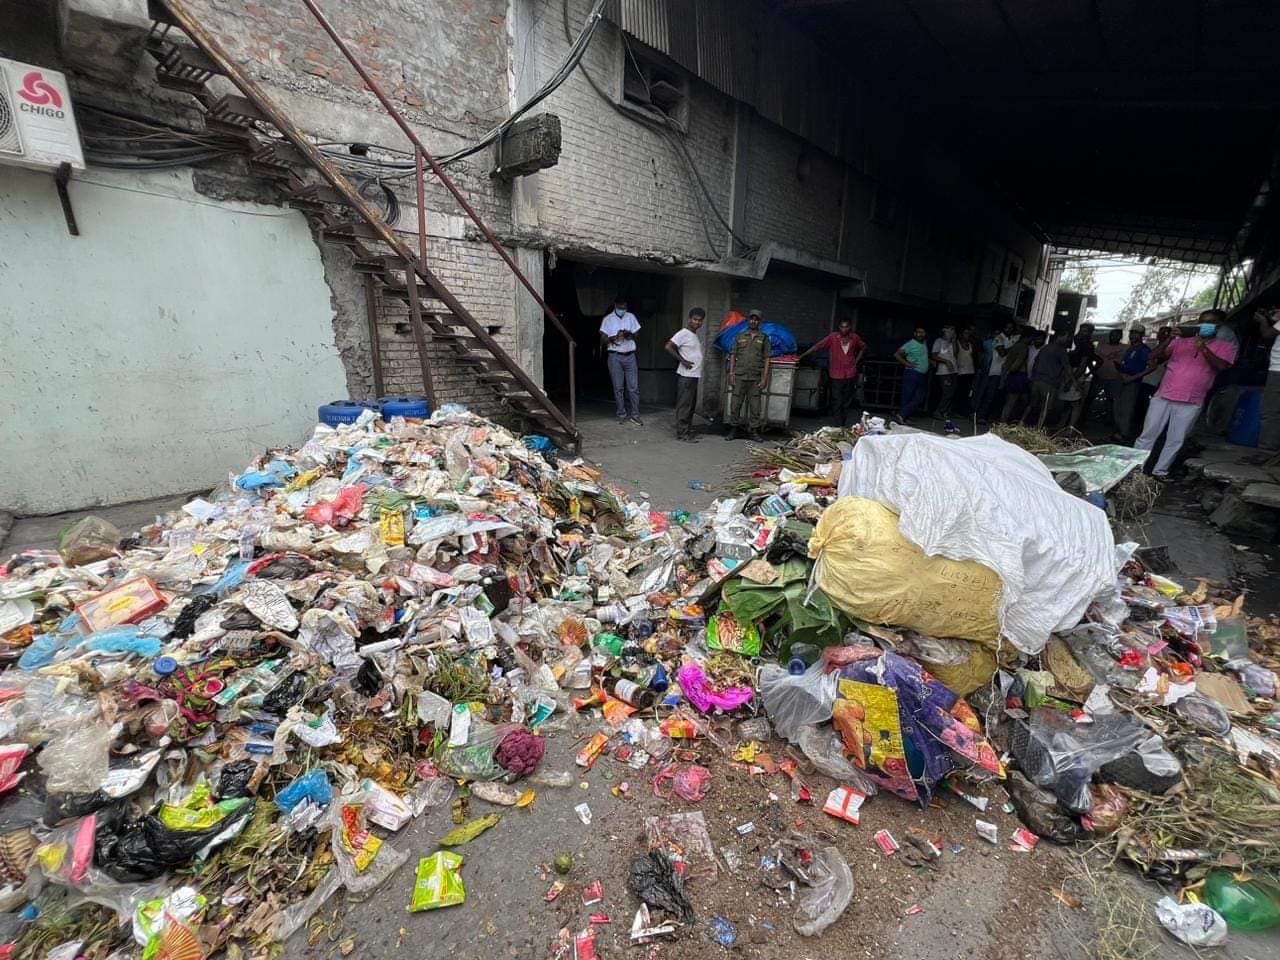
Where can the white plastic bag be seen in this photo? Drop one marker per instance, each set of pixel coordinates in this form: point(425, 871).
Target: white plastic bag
point(1193, 923)
point(981, 498)
point(793, 701)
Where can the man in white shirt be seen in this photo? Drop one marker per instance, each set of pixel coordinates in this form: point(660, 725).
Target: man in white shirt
point(685, 346)
point(943, 354)
point(618, 336)
point(987, 383)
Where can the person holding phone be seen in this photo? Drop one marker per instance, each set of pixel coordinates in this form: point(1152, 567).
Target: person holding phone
point(618, 332)
point(1194, 358)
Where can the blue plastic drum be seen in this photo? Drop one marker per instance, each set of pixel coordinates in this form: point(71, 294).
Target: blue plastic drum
point(344, 411)
point(1246, 420)
point(407, 406)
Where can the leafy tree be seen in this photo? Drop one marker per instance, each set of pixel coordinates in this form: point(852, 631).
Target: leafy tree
point(1162, 288)
point(1079, 278)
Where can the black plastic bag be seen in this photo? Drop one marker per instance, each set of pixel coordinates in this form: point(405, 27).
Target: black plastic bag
point(1038, 809)
point(368, 679)
point(286, 693)
point(185, 624)
point(654, 880)
point(133, 850)
point(240, 619)
point(292, 566)
point(234, 780)
point(65, 806)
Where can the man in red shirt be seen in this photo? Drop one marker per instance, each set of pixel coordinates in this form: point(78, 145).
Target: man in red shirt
point(843, 347)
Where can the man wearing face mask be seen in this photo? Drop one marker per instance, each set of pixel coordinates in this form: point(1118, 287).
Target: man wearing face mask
point(1195, 358)
point(748, 373)
point(618, 336)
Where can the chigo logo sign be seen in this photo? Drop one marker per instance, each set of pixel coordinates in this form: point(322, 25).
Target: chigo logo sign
point(41, 130)
point(40, 96)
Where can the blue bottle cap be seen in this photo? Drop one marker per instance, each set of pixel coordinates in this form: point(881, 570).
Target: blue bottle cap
point(164, 666)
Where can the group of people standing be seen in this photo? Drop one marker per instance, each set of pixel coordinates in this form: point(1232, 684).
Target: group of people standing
point(1152, 388)
point(747, 372)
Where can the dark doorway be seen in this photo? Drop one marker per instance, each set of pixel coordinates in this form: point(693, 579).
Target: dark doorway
point(581, 294)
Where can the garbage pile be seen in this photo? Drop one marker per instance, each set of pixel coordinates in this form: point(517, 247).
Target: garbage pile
point(215, 727)
point(258, 691)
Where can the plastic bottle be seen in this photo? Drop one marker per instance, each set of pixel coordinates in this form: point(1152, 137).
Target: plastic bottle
point(1253, 905)
point(632, 693)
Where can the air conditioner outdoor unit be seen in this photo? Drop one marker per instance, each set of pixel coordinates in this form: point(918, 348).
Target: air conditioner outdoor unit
point(37, 123)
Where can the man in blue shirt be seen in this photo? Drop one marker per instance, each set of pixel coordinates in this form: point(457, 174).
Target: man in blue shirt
point(1133, 364)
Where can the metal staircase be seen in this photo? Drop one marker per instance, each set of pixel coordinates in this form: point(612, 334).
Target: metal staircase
point(279, 151)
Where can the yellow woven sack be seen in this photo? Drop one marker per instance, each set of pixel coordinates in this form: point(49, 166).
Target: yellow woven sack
point(870, 571)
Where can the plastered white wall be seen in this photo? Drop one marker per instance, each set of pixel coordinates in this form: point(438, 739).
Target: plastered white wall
point(170, 342)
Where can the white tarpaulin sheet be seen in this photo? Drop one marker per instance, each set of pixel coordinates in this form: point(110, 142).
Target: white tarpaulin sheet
point(981, 498)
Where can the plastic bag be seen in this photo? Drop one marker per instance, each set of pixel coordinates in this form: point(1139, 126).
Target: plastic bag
point(654, 880)
point(67, 852)
point(143, 849)
point(825, 750)
point(313, 786)
point(1061, 755)
point(475, 759)
point(985, 500)
point(821, 905)
point(126, 639)
point(364, 861)
point(1246, 905)
point(77, 761)
point(793, 701)
point(1192, 923)
point(1039, 810)
point(87, 540)
point(11, 757)
point(438, 883)
point(701, 694)
point(868, 569)
point(781, 340)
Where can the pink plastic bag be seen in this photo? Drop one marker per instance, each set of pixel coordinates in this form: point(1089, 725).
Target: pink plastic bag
point(11, 757)
point(339, 511)
point(688, 783)
point(699, 692)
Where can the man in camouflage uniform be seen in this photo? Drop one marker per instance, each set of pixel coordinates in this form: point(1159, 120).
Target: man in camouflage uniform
point(748, 373)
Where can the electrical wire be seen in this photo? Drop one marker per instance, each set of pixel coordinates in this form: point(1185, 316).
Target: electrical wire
point(577, 49)
point(664, 125)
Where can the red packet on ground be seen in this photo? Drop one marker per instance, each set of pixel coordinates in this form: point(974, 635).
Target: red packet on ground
point(844, 803)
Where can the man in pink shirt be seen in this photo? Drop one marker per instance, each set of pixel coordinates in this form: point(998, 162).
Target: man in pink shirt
point(843, 347)
point(1194, 361)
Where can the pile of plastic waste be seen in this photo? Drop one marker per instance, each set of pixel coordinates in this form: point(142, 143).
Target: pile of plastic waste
point(270, 682)
point(215, 726)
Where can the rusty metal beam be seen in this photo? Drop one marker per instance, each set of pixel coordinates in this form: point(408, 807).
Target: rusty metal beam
point(375, 344)
point(228, 66)
point(420, 337)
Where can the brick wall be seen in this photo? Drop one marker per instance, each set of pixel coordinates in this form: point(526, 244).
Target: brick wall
point(621, 187)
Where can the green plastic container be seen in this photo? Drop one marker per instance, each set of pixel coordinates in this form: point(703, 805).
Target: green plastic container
point(1245, 906)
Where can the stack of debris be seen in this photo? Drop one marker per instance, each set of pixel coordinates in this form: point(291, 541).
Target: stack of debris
point(258, 692)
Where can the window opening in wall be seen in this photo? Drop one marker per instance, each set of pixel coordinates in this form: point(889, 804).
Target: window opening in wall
point(654, 87)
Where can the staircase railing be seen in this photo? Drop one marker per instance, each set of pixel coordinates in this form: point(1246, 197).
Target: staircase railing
point(190, 25)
